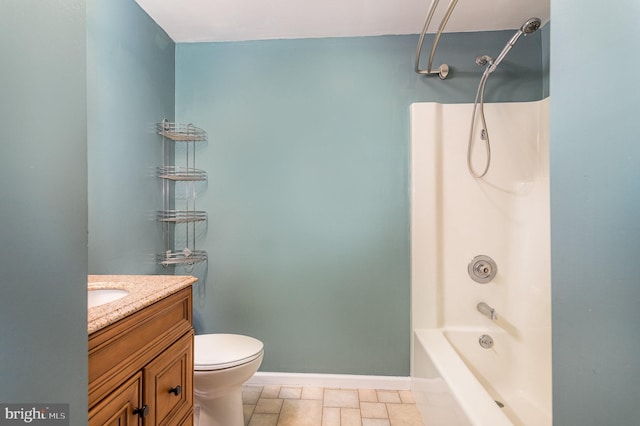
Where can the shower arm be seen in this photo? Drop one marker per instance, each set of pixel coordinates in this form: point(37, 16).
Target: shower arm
point(443, 70)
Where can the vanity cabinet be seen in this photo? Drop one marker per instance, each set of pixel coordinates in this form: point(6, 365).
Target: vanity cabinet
point(119, 407)
point(141, 367)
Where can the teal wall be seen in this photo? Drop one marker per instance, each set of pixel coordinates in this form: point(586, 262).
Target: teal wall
point(308, 198)
point(43, 204)
point(595, 200)
point(130, 81)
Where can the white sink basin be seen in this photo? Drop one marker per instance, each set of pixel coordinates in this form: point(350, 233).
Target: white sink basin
point(104, 295)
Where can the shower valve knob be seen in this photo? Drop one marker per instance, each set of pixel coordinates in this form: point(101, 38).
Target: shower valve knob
point(482, 269)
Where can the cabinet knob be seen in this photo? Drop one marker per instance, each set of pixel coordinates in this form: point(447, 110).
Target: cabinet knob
point(177, 390)
point(142, 411)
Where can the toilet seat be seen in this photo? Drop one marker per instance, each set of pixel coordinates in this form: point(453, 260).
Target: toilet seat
point(220, 351)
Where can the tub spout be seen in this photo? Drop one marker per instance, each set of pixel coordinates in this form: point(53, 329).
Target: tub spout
point(487, 311)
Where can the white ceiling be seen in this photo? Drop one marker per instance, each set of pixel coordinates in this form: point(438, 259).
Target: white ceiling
point(233, 20)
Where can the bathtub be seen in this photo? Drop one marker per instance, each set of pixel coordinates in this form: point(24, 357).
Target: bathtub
point(455, 217)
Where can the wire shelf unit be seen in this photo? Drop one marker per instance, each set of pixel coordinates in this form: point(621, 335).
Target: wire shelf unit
point(179, 216)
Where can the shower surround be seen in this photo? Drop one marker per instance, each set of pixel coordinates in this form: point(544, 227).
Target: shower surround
point(506, 380)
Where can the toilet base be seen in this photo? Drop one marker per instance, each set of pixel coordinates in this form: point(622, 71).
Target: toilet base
point(218, 392)
point(225, 410)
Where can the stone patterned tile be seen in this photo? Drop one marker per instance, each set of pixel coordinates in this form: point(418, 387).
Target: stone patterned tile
point(247, 411)
point(251, 394)
point(375, 422)
point(368, 395)
point(404, 415)
point(301, 412)
point(312, 393)
point(374, 410)
point(290, 393)
point(276, 405)
point(268, 405)
point(330, 416)
point(270, 391)
point(407, 397)
point(389, 396)
point(350, 417)
point(264, 420)
point(342, 398)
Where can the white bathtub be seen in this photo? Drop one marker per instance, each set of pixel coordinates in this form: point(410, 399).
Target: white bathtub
point(455, 217)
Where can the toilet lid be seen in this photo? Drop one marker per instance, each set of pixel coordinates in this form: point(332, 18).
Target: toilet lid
point(218, 351)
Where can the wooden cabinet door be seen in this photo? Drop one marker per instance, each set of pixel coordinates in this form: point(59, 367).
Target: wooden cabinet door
point(169, 383)
point(118, 408)
point(188, 421)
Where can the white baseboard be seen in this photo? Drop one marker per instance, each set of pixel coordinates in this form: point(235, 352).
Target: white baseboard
point(340, 381)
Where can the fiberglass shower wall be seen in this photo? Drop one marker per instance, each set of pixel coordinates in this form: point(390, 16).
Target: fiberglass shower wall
point(504, 215)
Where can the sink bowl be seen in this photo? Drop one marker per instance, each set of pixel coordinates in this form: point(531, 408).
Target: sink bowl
point(104, 295)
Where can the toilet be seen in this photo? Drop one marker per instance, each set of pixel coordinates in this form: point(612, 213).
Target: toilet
point(222, 363)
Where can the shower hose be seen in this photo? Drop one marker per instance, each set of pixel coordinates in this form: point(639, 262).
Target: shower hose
point(484, 135)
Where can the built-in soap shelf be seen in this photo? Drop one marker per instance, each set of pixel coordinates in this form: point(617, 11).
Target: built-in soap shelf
point(179, 216)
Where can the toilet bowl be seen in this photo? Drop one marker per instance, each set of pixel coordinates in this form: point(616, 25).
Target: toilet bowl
point(222, 363)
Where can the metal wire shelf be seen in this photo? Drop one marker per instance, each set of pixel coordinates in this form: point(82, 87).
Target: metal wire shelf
point(181, 173)
point(181, 216)
point(181, 132)
point(184, 257)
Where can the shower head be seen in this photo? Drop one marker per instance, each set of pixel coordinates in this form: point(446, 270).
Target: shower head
point(530, 26)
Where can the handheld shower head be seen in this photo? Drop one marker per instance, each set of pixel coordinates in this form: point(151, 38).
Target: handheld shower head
point(530, 26)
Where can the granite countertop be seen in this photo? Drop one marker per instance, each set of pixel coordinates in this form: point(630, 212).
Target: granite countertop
point(144, 290)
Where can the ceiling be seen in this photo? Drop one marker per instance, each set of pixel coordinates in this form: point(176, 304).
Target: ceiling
point(234, 20)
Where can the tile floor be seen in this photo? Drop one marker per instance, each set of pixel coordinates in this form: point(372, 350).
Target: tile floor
point(309, 406)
